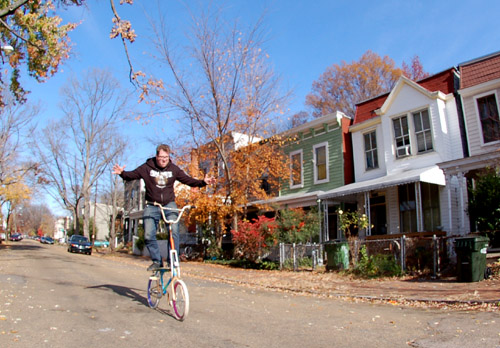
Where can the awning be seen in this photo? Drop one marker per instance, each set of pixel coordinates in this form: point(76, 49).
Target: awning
point(301, 199)
point(432, 175)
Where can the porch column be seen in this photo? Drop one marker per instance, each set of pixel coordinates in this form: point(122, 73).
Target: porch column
point(368, 213)
point(324, 235)
point(448, 181)
point(418, 207)
point(461, 183)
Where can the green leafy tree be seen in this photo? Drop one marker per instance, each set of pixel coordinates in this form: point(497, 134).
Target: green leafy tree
point(484, 210)
point(350, 221)
point(297, 226)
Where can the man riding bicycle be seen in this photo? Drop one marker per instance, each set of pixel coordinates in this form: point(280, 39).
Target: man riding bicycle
point(159, 175)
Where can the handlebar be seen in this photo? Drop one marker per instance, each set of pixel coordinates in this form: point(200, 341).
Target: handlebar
point(181, 211)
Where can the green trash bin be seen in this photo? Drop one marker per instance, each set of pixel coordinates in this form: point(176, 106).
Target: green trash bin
point(337, 255)
point(471, 258)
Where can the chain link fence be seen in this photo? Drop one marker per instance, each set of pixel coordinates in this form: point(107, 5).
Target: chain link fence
point(296, 256)
point(423, 254)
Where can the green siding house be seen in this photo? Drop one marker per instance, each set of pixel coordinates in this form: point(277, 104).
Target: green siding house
point(320, 157)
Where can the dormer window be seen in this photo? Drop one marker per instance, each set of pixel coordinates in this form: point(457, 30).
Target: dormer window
point(412, 128)
point(402, 136)
point(422, 131)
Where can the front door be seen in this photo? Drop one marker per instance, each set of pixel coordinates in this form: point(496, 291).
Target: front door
point(378, 215)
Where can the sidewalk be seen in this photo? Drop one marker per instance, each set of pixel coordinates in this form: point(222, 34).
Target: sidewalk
point(434, 293)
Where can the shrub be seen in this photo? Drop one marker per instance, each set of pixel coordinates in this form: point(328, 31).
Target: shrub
point(253, 238)
point(483, 205)
point(140, 243)
point(294, 225)
point(379, 265)
point(303, 262)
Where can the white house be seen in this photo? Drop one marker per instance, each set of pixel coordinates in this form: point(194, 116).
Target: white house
point(398, 138)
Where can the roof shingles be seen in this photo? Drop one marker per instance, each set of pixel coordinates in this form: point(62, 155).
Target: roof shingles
point(480, 71)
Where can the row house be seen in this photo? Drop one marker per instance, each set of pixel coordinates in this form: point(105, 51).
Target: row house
point(320, 157)
point(479, 95)
point(398, 139)
point(389, 171)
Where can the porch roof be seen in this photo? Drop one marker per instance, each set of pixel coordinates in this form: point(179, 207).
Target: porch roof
point(432, 175)
point(301, 199)
point(464, 165)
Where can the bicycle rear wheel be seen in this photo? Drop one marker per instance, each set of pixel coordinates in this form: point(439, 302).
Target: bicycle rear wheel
point(180, 302)
point(154, 291)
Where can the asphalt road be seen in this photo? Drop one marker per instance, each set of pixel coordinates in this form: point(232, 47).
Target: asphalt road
point(51, 298)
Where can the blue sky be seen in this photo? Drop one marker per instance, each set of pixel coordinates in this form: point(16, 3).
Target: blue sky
point(304, 38)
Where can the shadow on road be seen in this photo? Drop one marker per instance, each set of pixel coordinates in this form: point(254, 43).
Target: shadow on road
point(20, 246)
point(130, 293)
point(123, 291)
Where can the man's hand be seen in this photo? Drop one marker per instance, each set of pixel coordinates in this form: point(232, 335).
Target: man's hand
point(117, 169)
point(210, 180)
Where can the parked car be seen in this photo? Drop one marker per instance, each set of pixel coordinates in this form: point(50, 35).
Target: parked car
point(47, 240)
point(2, 236)
point(101, 243)
point(16, 237)
point(79, 244)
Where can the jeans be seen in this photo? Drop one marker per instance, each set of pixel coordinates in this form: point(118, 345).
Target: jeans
point(152, 217)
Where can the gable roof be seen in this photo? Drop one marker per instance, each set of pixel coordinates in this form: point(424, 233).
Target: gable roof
point(441, 82)
point(480, 70)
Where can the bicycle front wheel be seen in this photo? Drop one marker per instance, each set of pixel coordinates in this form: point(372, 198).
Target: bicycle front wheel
point(180, 302)
point(154, 291)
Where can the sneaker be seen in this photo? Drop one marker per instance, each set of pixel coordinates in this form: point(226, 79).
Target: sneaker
point(154, 266)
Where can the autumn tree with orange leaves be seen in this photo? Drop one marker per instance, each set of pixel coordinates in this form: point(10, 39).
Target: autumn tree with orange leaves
point(256, 171)
point(344, 85)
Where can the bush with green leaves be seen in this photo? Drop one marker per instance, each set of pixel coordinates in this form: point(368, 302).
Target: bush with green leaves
point(379, 265)
point(302, 262)
point(71, 229)
point(294, 225)
point(483, 204)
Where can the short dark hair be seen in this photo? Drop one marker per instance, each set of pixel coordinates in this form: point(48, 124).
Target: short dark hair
point(162, 147)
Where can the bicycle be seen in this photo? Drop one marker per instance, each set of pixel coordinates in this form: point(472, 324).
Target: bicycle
point(174, 287)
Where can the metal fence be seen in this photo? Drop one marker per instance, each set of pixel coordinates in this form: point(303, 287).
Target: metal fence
point(414, 254)
point(296, 256)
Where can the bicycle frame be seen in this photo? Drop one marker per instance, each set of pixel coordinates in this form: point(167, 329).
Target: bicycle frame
point(174, 258)
point(174, 283)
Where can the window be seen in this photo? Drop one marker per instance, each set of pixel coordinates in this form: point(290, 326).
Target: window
point(402, 136)
point(407, 208)
point(296, 169)
point(371, 150)
point(422, 131)
point(416, 130)
point(321, 163)
point(430, 206)
point(488, 115)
